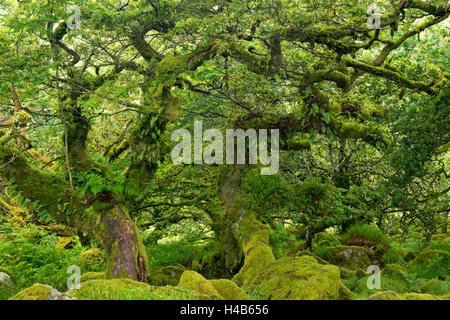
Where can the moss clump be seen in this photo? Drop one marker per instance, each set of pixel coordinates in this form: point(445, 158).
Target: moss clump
point(127, 289)
point(229, 290)
point(195, 281)
point(365, 235)
point(165, 276)
point(299, 278)
point(39, 292)
point(92, 256)
point(92, 276)
point(36, 292)
point(386, 295)
point(350, 257)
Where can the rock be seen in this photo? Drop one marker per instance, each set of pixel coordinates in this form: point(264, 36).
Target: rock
point(5, 279)
point(196, 282)
point(165, 276)
point(299, 278)
point(229, 290)
point(40, 292)
point(350, 257)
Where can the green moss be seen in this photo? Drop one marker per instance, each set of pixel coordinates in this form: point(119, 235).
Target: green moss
point(36, 292)
point(229, 290)
point(196, 282)
point(389, 295)
point(365, 234)
point(92, 256)
point(254, 237)
point(165, 276)
point(386, 295)
point(92, 276)
point(299, 278)
point(127, 289)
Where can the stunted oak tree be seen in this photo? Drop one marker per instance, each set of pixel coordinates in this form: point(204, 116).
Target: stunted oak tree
point(296, 66)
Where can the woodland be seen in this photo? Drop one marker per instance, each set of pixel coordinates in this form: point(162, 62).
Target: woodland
point(93, 207)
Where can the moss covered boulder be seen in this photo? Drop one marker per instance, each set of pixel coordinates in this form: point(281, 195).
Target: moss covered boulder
point(40, 292)
point(365, 235)
point(194, 281)
point(229, 290)
point(165, 276)
point(350, 257)
point(390, 295)
point(5, 277)
point(127, 289)
point(299, 278)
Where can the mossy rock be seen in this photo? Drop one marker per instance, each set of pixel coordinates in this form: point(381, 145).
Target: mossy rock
point(92, 276)
point(40, 292)
point(127, 289)
point(92, 256)
point(309, 253)
point(350, 257)
point(229, 290)
point(300, 278)
point(390, 295)
point(386, 295)
point(194, 281)
point(5, 279)
point(165, 276)
point(420, 296)
point(365, 235)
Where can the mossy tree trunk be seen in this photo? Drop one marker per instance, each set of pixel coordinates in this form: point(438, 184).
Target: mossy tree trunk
point(111, 226)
